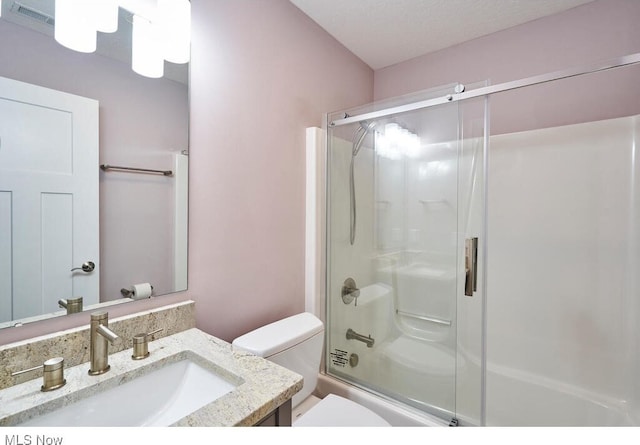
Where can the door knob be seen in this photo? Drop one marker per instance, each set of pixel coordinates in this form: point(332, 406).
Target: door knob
point(86, 267)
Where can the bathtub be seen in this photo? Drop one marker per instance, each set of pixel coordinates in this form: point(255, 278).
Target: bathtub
point(513, 399)
point(517, 398)
point(394, 413)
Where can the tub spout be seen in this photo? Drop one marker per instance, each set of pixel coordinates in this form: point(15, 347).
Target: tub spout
point(353, 335)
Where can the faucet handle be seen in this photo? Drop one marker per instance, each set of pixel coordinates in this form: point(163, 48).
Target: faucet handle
point(52, 376)
point(141, 344)
point(72, 305)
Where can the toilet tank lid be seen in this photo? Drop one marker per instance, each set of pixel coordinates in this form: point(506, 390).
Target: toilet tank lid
point(280, 335)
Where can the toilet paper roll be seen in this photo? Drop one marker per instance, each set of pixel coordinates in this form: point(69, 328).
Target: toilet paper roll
point(140, 291)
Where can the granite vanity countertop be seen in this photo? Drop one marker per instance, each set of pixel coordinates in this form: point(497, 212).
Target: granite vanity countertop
point(262, 386)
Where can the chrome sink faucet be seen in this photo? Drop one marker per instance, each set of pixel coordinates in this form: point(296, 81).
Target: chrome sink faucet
point(100, 335)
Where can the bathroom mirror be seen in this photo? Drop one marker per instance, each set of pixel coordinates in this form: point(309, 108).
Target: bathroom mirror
point(142, 123)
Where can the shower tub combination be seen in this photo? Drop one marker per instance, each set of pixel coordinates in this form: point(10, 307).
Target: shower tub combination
point(482, 275)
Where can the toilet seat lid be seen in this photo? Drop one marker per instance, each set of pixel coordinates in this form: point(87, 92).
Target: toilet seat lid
point(334, 410)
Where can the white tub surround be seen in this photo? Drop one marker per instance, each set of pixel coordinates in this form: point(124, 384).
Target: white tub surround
point(261, 386)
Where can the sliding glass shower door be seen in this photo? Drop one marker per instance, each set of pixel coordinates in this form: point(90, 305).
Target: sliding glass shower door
point(405, 221)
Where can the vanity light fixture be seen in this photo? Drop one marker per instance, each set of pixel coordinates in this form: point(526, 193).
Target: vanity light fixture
point(174, 19)
point(73, 28)
point(146, 52)
point(105, 15)
point(161, 29)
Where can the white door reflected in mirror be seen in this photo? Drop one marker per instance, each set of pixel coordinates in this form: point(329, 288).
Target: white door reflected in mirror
point(49, 220)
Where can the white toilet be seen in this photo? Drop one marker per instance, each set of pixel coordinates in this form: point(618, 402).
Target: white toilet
point(296, 343)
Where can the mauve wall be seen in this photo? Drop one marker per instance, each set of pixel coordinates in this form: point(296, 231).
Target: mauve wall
point(585, 35)
point(262, 72)
point(589, 33)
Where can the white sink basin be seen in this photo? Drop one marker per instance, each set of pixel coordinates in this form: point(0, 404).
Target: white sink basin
point(159, 398)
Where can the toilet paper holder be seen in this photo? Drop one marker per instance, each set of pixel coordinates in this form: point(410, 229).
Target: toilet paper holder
point(128, 293)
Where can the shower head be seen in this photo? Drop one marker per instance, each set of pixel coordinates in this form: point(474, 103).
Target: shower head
point(362, 131)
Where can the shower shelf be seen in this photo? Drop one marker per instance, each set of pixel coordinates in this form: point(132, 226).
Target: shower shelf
point(433, 201)
point(425, 318)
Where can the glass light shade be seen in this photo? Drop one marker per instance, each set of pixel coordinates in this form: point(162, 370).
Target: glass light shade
point(105, 15)
point(72, 29)
point(146, 55)
point(174, 18)
point(392, 131)
point(413, 146)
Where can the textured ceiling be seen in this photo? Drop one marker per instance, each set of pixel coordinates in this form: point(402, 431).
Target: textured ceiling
point(386, 32)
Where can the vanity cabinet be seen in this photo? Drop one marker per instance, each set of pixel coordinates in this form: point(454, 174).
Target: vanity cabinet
point(281, 416)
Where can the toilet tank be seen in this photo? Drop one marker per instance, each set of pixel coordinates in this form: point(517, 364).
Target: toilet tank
point(294, 342)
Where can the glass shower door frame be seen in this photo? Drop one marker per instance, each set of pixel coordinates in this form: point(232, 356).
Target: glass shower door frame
point(340, 356)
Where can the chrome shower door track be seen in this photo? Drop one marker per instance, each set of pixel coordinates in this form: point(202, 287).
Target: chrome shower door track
point(618, 62)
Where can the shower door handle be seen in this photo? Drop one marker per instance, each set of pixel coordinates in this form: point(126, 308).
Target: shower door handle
point(471, 266)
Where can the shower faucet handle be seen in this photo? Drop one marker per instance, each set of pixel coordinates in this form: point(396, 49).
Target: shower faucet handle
point(350, 291)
